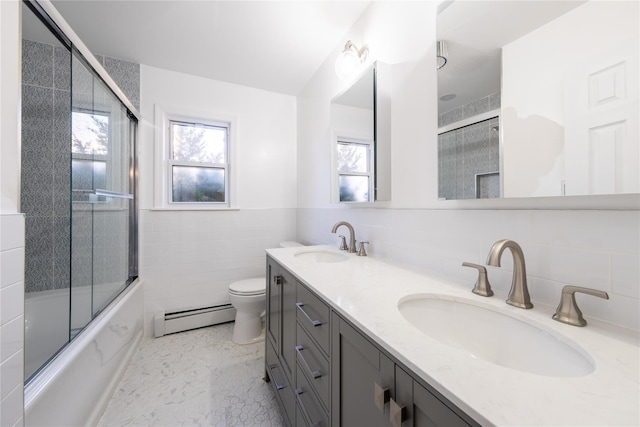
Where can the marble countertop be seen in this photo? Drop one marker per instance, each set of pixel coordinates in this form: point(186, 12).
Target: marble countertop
point(366, 291)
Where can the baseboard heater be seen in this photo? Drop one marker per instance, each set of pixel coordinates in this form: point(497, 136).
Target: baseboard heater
point(178, 321)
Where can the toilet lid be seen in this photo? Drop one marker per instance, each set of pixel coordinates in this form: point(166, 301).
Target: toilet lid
point(254, 286)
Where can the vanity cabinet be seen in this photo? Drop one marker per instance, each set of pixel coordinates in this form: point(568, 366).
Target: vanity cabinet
point(370, 389)
point(312, 357)
point(280, 336)
point(326, 372)
point(362, 379)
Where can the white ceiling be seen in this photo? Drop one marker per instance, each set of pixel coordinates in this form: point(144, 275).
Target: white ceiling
point(271, 45)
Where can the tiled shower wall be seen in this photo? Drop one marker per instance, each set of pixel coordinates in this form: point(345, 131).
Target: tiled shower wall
point(469, 156)
point(44, 195)
point(45, 182)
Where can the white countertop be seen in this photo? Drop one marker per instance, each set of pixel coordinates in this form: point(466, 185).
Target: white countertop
point(366, 291)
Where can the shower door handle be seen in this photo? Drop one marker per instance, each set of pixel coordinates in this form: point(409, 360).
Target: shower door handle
point(115, 194)
point(106, 193)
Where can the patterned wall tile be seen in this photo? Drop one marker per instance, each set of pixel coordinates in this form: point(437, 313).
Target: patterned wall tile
point(61, 68)
point(127, 77)
point(37, 64)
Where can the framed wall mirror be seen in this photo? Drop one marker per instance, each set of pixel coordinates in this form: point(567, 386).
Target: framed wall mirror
point(538, 99)
point(361, 138)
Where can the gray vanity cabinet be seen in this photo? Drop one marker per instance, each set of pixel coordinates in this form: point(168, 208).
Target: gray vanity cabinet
point(370, 389)
point(281, 334)
point(362, 379)
point(326, 372)
point(414, 405)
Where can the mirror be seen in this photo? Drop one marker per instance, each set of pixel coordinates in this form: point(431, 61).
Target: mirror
point(361, 138)
point(538, 99)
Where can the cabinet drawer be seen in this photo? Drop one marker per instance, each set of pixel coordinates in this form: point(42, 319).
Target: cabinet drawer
point(308, 403)
point(283, 390)
point(313, 315)
point(314, 364)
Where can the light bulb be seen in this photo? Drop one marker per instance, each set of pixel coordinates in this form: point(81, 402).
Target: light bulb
point(347, 64)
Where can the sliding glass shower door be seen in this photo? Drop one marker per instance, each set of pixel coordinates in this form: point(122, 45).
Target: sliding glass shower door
point(102, 195)
point(77, 191)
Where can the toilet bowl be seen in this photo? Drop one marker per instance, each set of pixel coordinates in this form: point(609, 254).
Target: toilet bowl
point(248, 298)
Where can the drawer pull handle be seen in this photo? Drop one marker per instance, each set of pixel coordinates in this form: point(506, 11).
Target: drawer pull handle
point(313, 322)
point(275, 381)
point(299, 393)
point(277, 280)
point(380, 396)
point(314, 374)
point(397, 414)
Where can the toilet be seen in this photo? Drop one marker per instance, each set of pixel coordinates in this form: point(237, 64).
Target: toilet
point(248, 298)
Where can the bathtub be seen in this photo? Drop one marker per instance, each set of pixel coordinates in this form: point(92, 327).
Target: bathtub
point(75, 387)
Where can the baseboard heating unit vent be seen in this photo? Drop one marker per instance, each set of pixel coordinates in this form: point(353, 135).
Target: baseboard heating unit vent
point(178, 321)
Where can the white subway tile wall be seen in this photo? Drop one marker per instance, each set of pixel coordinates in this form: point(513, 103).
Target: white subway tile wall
point(595, 249)
point(11, 318)
point(189, 258)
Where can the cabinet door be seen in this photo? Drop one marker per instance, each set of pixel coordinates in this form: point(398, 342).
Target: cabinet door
point(288, 337)
point(414, 405)
point(274, 286)
point(360, 376)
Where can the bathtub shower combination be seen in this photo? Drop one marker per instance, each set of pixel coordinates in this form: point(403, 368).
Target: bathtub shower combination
point(83, 305)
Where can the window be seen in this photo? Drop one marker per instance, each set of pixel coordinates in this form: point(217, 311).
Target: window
point(198, 162)
point(90, 153)
point(354, 170)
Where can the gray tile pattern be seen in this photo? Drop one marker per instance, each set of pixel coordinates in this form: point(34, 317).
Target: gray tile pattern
point(464, 153)
point(127, 77)
point(194, 378)
point(48, 73)
point(37, 64)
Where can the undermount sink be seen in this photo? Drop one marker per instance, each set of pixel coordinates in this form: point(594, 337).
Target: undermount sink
point(494, 336)
point(321, 256)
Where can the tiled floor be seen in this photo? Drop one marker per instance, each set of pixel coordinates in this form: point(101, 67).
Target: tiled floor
point(194, 378)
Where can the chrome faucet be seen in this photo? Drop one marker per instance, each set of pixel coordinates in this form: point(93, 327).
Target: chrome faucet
point(519, 293)
point(352, 235)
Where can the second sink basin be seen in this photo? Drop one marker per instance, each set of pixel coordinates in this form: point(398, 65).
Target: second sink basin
point(322, 256)
point(494, 336)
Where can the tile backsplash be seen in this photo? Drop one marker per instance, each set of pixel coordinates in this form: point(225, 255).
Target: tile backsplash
point(595, 249)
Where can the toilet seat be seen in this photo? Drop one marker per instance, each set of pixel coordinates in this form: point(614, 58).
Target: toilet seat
point(248, 287)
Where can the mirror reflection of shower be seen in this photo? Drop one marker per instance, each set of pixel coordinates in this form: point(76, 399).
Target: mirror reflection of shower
point(77, 138)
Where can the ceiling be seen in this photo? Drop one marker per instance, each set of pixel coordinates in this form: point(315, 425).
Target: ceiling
point(270, 45)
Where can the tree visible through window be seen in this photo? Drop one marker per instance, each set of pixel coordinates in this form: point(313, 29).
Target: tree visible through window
point(198, 162)
point(90, 151)
point(354, 171)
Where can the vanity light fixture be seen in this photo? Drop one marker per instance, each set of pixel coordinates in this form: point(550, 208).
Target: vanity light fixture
point(441, 54)
point(349, 60)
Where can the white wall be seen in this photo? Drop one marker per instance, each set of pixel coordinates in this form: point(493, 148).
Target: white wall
point(593, 248)
point(11, 222)
point(188, 257)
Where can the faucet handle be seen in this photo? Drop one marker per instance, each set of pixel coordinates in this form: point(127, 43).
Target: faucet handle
point(361, 250)
point(568, 311)
point(343, 243)
point(482, 286)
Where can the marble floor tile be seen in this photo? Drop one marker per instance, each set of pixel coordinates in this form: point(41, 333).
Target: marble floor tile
point(194, 378)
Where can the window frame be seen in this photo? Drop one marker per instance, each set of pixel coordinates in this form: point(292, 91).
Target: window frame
point(341, 140)
point(164, 162)
point(107, 158)
point(172, 162)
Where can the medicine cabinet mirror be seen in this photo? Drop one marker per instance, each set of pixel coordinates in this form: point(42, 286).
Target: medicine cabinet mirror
point(538, 99)
point(361, 138)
